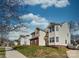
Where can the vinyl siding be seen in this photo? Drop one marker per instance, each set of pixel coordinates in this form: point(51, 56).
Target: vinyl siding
point(41, 38)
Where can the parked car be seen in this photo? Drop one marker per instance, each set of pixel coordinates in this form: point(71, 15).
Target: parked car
point(73, 47)
point(77, 46)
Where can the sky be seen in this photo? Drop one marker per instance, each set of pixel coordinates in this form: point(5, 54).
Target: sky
point(39, 13)
point(54, 10)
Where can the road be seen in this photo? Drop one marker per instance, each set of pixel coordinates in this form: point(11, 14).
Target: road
point(10, 53)
point(73, 53)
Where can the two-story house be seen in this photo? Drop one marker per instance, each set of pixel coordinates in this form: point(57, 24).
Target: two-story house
point(38, 37)
point(57, 34)
point(24, 39)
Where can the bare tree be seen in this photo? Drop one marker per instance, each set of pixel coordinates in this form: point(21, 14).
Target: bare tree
point(8, 12)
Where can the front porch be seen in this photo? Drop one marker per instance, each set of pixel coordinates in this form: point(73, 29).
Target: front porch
point(34, 41)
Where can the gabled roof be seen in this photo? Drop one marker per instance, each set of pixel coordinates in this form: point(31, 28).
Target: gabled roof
point(38, 29)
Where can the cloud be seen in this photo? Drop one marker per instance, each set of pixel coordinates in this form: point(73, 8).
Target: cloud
point(35, 20)
point(62, 3)
point(22, 30)
point(47, 3)
point(13, 35)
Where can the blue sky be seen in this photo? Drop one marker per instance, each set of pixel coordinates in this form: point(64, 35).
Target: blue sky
point(57, 14)
point(39, 13)
point(62, 11)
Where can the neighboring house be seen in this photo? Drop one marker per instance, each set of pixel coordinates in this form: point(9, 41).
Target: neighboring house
point(24, 40)
point(57, 34)
point(16, 42)
point(4, 42)
point(38, 37)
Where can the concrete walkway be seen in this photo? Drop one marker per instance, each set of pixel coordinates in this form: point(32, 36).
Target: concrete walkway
point(10, 53)
point(73, 53)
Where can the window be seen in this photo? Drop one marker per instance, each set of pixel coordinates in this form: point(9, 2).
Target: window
point(65, 41)
point(52, 29)
point(57, 29)
point(52, 39)
point(57, 39)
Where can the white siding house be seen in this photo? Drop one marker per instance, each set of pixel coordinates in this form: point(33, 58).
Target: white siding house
point(58, 34)
point(15, 43)
point(24, 40)
point(38, 37)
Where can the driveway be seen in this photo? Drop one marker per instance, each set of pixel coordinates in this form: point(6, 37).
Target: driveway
point(73, 53)
point(10, 53)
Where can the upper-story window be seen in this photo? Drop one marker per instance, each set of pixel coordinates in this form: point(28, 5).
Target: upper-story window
point(57, 28)
point(51, 29)
point(52, 39)
point(57, 39)
point(65, 41)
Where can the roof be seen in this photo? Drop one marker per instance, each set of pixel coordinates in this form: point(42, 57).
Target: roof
point(38, 29)
point(32, 33)
point(53, 24)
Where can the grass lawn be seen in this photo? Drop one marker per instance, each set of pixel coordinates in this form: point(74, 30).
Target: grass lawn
point(2, 52)
point(41, 52)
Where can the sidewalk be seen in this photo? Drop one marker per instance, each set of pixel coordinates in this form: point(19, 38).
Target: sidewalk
point(73, 53)
point(10, 53)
